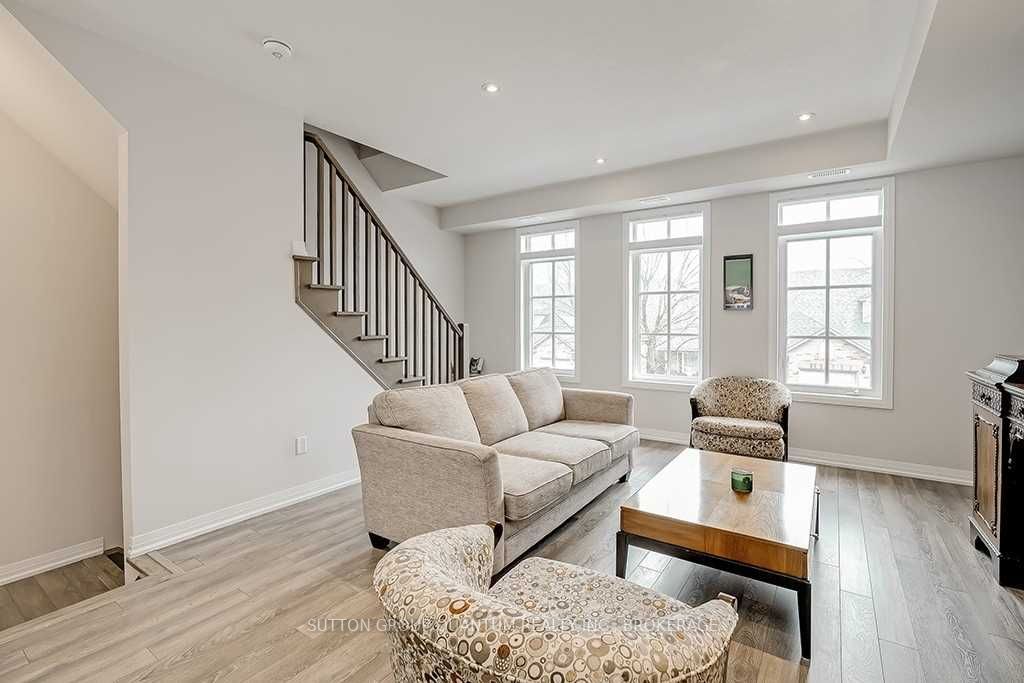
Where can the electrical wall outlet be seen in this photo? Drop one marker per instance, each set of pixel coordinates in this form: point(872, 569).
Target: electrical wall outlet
point(301, 444)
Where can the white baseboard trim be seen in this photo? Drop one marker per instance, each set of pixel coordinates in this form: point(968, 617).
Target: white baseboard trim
point(948, 475)
point(914, 470)
point(51, 560)
point(668, 437)
point(141, 544)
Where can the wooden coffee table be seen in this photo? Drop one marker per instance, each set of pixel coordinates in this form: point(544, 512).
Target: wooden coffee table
point(689, 511)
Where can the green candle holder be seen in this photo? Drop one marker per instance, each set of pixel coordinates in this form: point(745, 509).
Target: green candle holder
point(742, 481)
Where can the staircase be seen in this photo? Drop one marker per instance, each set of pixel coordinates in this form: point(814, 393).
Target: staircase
point(361, 288)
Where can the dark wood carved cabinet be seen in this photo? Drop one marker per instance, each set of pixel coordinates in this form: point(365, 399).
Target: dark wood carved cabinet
point(997, 396)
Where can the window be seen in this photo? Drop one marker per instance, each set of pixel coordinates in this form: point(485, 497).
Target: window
point(666, 263)
point(547, 292)
point(547, 241)
point(833, 299)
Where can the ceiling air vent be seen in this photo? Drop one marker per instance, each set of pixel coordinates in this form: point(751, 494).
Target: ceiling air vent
point(829, 173)
point(655, 200)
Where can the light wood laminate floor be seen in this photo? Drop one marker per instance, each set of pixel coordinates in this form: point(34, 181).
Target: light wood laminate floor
point(899, 594)
point(35, 596)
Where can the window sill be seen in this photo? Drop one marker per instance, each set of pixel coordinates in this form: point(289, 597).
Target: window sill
point(843, 400)
point(677, 387)
point(567, 379)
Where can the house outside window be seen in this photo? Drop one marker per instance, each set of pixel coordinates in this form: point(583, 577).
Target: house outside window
point(547, 297)
point(832, 274)
point(666, 265)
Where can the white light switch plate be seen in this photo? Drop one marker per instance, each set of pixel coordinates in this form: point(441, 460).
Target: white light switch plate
point(301, 444)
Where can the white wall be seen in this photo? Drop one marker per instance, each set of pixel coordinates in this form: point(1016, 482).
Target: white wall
point(491, 299)
point(51, 106)
point(221, 369)
point(958, 284)
point(61, 472)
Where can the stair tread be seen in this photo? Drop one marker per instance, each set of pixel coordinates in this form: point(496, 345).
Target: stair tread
point(410, 380)
point(303, 257)
point(392, 359)
point(336, 288)
point(372, 337)
point(347, 313)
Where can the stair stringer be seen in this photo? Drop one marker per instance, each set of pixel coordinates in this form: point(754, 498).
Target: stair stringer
point(321, 305)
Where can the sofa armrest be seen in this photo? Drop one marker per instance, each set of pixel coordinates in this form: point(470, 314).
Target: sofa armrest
point(598, 406)
point(464, 555)
point(414, 482)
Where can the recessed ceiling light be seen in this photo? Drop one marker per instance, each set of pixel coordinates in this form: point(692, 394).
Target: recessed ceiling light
point(527, 219)
point(277, 48)
point(655, 200)
point(490, 88)
point(599, 161)
point(806, 116)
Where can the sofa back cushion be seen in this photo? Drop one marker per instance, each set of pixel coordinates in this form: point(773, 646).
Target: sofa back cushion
point(495, 408)
point(540, 394)
point(439, 410)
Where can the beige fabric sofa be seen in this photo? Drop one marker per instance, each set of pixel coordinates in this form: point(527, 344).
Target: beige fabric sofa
point(516, 449)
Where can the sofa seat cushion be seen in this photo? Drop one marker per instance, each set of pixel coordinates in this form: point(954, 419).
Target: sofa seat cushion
point(757, 448)
point(540, 394)
point(583, 456)
point(575, 595)
point(737, 426)
point(537, 527)
point(440, 410)
point(620, 438)
point(530, 485)
point(495, 407)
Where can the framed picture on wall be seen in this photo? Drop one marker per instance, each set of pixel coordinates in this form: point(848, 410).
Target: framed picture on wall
point(739, 282)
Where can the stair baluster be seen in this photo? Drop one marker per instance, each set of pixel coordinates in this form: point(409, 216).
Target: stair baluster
point(416, 346)
point(370, 291)
point(321, 247)
point(355, 257)
point(376, 287)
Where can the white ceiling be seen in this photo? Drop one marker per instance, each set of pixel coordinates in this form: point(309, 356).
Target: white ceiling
point(959, 98)
point(966, 96)
point(638, 83)
point(45, 101)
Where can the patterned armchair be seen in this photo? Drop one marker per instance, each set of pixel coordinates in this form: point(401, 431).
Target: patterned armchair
point(544, 620)
point(742, 415)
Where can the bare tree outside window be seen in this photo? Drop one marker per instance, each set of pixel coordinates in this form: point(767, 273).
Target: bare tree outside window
point(548, 291)
point(668, 313)
point(665, 292)
point(553, 314)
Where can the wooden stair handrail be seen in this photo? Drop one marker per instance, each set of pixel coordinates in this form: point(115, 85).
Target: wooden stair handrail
point(323, 149)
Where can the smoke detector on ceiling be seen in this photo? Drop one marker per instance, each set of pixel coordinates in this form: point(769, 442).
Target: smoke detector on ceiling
point(279, 49)
point(829, 173)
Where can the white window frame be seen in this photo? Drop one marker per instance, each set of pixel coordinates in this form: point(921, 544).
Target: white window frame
point(630, 294)
point(522, 297)
point(881, 394)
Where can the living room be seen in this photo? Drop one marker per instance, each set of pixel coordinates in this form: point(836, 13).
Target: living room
point(710, 309)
